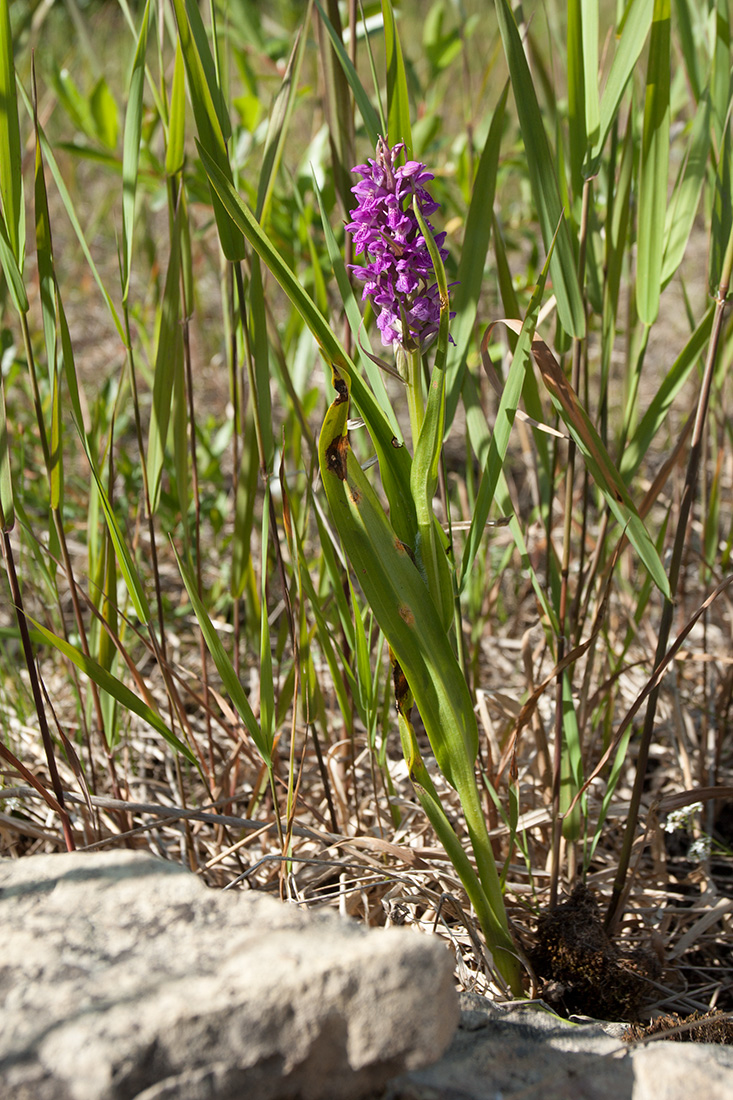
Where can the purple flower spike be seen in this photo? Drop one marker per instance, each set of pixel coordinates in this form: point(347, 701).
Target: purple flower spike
point(399, 277)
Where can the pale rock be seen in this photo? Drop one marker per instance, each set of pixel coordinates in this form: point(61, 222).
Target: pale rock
point(123, 978)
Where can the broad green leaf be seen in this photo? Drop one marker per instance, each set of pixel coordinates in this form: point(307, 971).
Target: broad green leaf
point(11, 178)
point(398, 102)
point(397, 595)
point(484, 890)
point(654, 168)
point(114, 687)
point(720, 70)
point(104, 113)
point(224, 666)
point(175, 151)
point(131, 150)
point(540, 165)
point(636, 23)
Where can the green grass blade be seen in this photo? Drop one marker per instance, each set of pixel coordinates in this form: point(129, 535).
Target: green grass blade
point(11, 177)
point(398, 101)
point(510, 397)
point(368, 114)
point(683, 205)
point(224, 666)
point(279, 121)
point(131, 149)
point(267, 689)
point(212, 122)
point(540, 164)
point(70, 208)
point(722, 213)
point(45, 262)
point(636, 23)
point(654, 168)
point(114, 687)
point(589, 10)
point(599, 463)
point(7, 509)
point(720, 70)
point(12, 271)
point(168, 359)
point(470, 276)
point(687, 13)
point(175, 149)
point(655, 416)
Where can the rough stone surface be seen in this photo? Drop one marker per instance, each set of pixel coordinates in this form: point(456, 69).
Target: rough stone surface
point(527, 1052)
point(122, 977)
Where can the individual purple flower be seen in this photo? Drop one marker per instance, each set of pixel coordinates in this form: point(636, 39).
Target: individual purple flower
point(399, 276)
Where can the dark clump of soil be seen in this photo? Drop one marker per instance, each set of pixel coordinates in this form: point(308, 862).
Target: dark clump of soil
point(582, 971)
point(699, 1027)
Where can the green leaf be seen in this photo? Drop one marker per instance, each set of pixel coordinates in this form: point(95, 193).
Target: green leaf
point(131, 150)
point(398, 102)
point(397, 595)
point(510, 397)
point(224, 667)
point(540, 164)
point(683, 205)
point(633, 35)
point(11, 177)
point(212, 122)
point(654, 168)
point(7, 510)
point(10, 266)
point(470, 276)
point(114, 687)
point(168, 357)
point(368, 114)
point(104, 113)
point(175, 151)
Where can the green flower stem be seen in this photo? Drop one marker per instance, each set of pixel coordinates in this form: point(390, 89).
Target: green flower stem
point(409, 366)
